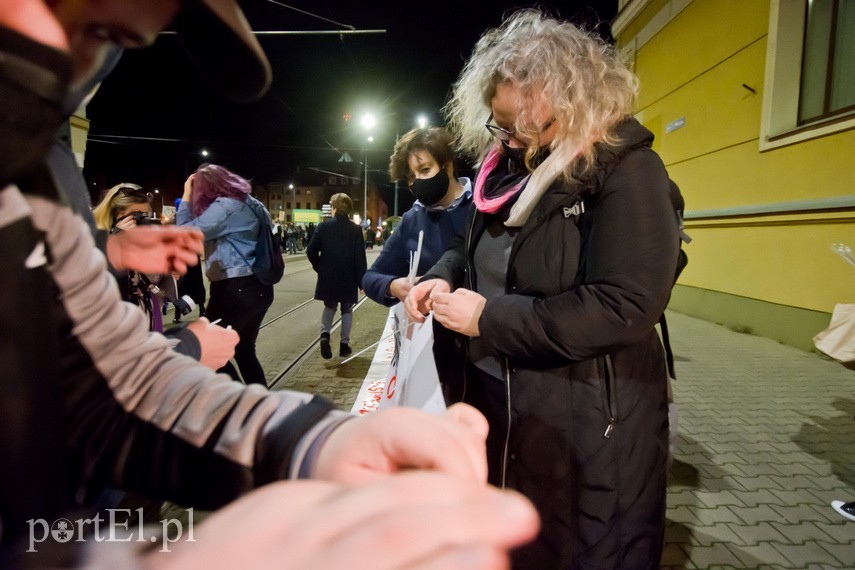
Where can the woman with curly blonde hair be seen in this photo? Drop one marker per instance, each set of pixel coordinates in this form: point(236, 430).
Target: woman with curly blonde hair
point(566, 266)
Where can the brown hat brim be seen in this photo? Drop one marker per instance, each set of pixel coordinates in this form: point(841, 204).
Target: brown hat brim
point(220, 41)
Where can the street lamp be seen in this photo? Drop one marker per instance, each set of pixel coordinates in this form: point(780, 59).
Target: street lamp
point(156, 191)
point(368, 122)
point(422, 121)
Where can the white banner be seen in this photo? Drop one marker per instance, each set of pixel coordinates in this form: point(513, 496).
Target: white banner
point(412, 379)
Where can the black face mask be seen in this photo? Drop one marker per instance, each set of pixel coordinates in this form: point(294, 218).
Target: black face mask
point(516, 156)
point(431, 190)
point(34, 80)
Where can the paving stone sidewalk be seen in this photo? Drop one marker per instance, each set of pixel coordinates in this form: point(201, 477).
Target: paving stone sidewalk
point(767, 442)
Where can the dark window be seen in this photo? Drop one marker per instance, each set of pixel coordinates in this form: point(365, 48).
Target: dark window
point(828, 61)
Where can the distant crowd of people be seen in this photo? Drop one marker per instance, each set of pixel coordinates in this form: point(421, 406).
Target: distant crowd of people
point(293, 238)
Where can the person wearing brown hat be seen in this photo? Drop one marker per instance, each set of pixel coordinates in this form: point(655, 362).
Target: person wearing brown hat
point(89, 398)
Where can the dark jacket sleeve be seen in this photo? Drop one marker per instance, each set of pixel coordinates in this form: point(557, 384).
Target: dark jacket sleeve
point(188, 343)
point(360, 262)
point(313, 250)
point(451, 266)
point(392, 263)
point(631, 258)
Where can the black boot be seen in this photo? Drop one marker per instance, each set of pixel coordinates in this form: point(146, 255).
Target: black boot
point(344, 349)
point(326, 349)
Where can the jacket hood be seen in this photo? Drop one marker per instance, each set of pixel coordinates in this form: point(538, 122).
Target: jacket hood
point(630, 134)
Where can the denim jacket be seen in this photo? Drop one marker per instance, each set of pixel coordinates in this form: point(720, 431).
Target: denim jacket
point(231, 234)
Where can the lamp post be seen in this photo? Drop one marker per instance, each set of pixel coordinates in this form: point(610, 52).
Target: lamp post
point(158, 192)
point(368, 122)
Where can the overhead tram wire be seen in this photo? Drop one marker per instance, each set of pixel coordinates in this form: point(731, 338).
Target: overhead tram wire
point(348, 29)
point(304, 12)
point(131, 139)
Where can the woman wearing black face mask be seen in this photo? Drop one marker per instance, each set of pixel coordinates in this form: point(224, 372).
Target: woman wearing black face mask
point(424, 159)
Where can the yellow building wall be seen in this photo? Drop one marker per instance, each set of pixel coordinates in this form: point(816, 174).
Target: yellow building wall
point(79, 132)
point(694, 68)
point(700, 37)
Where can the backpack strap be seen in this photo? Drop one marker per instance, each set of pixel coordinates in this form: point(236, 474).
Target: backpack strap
point(666, 341)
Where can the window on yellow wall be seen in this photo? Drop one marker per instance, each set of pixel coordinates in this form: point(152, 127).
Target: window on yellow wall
point(828, 60)
point(809, 88)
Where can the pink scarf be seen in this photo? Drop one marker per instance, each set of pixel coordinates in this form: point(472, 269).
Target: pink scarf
point(495, 204)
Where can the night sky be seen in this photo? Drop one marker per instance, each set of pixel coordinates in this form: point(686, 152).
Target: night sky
point(157, 94)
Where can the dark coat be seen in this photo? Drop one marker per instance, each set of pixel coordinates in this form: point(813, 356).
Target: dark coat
point(394, 261)
point(584, 387)
point(337, 253)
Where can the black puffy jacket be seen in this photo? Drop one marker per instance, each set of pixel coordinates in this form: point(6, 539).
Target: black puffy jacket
point(584, 370)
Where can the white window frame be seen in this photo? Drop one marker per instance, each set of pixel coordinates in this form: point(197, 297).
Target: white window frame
point(779, 121)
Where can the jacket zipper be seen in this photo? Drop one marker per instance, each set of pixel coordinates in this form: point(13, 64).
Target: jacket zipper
point(471, 279)
point(508, 431)
point(609, 374)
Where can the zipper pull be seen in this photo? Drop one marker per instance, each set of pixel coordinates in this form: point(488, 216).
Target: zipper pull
point(609, 428)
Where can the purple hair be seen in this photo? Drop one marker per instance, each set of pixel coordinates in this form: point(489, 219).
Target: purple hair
point(213, 181)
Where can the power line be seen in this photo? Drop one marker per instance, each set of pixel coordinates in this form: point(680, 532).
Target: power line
point(348, 26)
point(117, 139)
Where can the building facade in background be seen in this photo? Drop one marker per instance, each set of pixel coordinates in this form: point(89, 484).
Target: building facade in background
point(753, 108)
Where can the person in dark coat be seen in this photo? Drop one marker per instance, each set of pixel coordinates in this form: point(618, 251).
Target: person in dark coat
point(337, 254)
point(566, 265)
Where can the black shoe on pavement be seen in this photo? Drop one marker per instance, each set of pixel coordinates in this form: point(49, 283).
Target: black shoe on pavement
point(845, 509)
point(344, 349)
point(326, 349)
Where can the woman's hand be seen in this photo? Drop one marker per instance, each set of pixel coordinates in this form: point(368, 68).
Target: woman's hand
point(217, 343)
point(400, 288)
point(458, 311)
point(419, 303)
point(127, 223)
point(188, 188)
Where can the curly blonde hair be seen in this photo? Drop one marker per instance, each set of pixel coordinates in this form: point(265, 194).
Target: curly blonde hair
point(586, 83)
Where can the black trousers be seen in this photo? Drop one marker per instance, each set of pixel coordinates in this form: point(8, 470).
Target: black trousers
point(241, 302)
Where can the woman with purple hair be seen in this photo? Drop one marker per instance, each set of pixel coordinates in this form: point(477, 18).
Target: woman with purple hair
point(218, 202)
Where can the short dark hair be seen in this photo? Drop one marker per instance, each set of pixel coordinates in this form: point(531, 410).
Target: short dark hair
point(342, 203)
point(437, 141)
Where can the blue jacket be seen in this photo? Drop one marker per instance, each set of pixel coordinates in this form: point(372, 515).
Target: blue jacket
point(231, 236)
point(440, 228)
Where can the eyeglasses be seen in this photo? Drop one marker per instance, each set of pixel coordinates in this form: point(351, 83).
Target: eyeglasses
point(136, 191)
point(505, 134)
